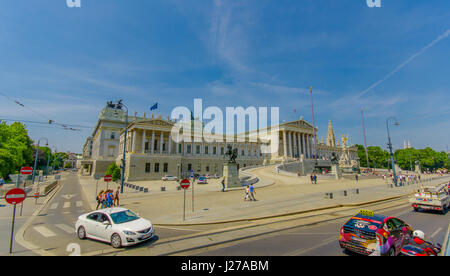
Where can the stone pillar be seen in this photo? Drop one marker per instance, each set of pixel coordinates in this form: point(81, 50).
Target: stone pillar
point(299, 143)
point(161, 143)
point(284, 144)
point(133, 145)
point(169, 146)
point(143, 140)
point(152, 146)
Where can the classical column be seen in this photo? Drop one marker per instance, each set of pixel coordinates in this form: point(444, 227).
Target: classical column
point(143, 141)
point(284, 144)
point(292, 143)
point(152, 146)
point(161, 143)
point(299, 143)
point(169, 146)
point(133, 145)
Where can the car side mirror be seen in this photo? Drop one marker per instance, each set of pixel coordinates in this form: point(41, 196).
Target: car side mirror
point(106, 223)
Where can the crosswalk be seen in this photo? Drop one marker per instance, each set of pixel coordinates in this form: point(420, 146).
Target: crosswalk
point(63, 207)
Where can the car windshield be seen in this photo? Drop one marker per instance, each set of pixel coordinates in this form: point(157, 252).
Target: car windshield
point(123, 217)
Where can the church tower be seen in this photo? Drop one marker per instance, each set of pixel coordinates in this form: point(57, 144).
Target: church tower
point(331, 140)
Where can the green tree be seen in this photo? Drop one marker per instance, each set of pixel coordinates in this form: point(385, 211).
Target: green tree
point(114, 171)
point(16, 148)
point(68, 165)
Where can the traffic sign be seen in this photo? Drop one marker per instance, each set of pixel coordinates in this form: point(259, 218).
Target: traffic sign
point(185, 183)
point(15, 196)
point(26, 170)
point(108, 178)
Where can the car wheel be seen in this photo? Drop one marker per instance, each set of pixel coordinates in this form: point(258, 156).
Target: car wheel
point(81, 233)
point(116, 241)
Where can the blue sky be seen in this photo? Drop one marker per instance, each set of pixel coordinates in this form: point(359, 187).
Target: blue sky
point(65, 63)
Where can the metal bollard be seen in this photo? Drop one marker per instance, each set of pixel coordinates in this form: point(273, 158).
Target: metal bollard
point(146, 190)
point(163, 189)
point(345, 193)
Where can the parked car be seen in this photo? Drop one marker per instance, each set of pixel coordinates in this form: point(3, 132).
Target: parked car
point(117, 226)
point(169, 178)
point(202, 180)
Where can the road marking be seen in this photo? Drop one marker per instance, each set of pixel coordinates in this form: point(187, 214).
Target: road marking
point(44, 231)
point(66, 204)
point(436, 232)
point(66, 228)
point(79, 203)
point(53, 206)
point(304, 250)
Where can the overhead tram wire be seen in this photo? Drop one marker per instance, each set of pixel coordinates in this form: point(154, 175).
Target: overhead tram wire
point(50, 122)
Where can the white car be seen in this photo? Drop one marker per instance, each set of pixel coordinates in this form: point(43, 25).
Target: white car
point(169, 178)
point(117, 226)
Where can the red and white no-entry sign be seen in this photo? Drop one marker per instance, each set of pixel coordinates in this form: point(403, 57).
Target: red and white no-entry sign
point(15, 196)
point(26, 170)
point(185, 183)
point(108, 178)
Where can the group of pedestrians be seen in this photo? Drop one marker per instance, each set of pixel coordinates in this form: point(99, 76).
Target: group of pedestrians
point(250, 193)
point(313, 178)
point(108, 198)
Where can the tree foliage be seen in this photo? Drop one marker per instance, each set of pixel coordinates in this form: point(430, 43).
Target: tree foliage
point(16, 148)
point(114, 171)
point(405, 158)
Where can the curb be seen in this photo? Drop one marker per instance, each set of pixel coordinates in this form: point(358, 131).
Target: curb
point(20, 236)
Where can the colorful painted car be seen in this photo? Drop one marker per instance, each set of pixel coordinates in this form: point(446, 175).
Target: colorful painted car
point(202, 180)
point(371, 234)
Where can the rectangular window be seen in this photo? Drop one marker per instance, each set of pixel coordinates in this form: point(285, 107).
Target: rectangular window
point(146, 146)
point(166, 167)
point(179, 148)
point(189, 149)
point(189, 167)
point(214, 150)
point(197, 149)
point(222, 151)
point(207, 168)
point(147, 167)
point(206, 150)
point(156, 167)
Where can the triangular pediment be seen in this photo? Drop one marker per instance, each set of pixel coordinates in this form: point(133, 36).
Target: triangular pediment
point(299, 123)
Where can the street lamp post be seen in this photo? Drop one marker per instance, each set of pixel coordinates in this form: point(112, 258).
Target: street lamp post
point(390, 148)
point(53, 163)
point(122, 176)
point(35, 159)
point(314, 126)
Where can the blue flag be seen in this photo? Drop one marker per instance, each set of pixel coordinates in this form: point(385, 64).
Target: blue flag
point(154, 107)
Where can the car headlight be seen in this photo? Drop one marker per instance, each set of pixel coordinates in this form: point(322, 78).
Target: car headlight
point(130, 233)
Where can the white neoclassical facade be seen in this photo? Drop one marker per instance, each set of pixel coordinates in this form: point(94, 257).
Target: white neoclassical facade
point(152, 151)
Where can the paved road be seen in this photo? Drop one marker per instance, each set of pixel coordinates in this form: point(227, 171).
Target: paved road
point(53, 229)
point(322, 239)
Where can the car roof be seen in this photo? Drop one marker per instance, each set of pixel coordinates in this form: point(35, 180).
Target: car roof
point(377, 217)
point(110, 210)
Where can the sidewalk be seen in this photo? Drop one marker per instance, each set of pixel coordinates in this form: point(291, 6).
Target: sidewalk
point(276, 195)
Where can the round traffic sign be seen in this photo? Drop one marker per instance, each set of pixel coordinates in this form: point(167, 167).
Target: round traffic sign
point(108, 178)
point(185, 183)
point(15, 196)
point(26, 170)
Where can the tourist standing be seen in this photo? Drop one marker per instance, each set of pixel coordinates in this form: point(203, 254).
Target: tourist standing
point(312, 179)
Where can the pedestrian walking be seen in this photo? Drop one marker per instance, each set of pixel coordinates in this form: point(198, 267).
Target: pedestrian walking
point(110, 198)
point(298, 173)
point(2, 182)
point(223, 184)
point(116, 197)
point(356, 177)
point(247, 193)
point(315, 179)
point(252, 192)
point(312, 179)
point(104, 197)
point(99, 199)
